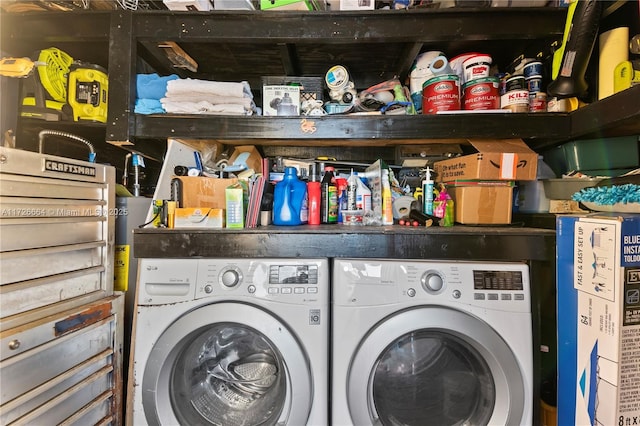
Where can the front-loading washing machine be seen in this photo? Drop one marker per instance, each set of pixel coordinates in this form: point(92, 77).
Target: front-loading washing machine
point(231, 342)
point(431, 343)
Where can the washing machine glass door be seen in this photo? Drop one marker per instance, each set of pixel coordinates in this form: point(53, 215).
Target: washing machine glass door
point(435, 366)
point(227, 364)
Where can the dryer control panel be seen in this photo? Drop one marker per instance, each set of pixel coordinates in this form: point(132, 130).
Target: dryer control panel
point(489, 285)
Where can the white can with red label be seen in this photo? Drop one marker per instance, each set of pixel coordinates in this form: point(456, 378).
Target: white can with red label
point(441, 93)
point(481, 93)
point(476, 66)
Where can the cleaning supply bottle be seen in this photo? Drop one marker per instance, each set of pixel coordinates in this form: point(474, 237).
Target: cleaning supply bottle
point(341, 184)
point(314, 192)
point(290, 200)
point(352, 189)
point(427, 192)
point(387, 200)
point(363, 194)
point(329, 201)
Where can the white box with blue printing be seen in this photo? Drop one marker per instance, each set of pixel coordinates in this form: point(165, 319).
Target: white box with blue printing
point(598, 311)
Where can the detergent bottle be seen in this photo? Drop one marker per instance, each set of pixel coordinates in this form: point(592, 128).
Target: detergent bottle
point(290, 200)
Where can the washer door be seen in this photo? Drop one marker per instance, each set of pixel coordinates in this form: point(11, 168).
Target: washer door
point(227, 364)
point(434, 366)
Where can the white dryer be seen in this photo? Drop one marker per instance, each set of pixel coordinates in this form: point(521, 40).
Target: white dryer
point(431, 343)
point(231, 342)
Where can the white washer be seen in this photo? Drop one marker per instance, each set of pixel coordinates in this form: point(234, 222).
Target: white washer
point(231, 342)
point(431, 343)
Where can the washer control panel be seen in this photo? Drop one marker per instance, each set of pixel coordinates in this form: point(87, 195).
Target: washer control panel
point(281, 279)
point(164, 281)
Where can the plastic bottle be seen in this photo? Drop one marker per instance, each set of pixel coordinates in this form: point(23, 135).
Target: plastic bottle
point(427, 192)
point(341, 184)
point(315, 198)
point(290, 200)
point(329, 201)
point(363, 194)
point(352, 189)
point(387, 200)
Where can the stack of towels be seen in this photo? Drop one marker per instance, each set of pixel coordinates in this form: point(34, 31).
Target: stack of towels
point(191, 96)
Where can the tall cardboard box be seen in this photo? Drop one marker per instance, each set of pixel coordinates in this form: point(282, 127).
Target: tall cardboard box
point(501, 159)
point(598, 310)
point(482, 204)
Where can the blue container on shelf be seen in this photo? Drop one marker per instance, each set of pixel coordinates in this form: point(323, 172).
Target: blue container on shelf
point(290, 202)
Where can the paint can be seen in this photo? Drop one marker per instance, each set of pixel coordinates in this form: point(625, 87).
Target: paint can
point(457, 64)
point(441, 93)
point(516, 82)
point(538, 102)
point(481, 93)
point(477, 66)
point(515, 100)
point(532, 69)
point(534, 84)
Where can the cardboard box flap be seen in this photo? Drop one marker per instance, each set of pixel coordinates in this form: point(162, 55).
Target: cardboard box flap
point(500, 145)
point(505, 159)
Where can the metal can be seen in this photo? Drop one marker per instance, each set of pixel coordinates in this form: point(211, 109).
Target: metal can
point(515, 100)
point(538, 102)
point(441, 93)
point(516, 82)
point(532, 69)
point(482, 93)
point(534, 84)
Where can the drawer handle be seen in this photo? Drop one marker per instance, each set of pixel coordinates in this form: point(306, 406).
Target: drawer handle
point(14, 344)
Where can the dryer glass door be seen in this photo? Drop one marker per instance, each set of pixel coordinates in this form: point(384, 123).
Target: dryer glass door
point(432, 377)
point(435, 366)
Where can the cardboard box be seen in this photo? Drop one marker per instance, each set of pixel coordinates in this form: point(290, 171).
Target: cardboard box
point(200, 191)
point(598, 310)
point(281, 100)
point(508, 159)
point(236, 207)
point(248, 155)
point(482, 204)
point(206, 217)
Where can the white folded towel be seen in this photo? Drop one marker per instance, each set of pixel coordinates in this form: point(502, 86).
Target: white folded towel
point(247, 103)
point(218, 88)
point(203, 107)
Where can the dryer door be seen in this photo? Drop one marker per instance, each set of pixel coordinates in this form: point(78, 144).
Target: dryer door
point(227, 364)
point(434, 366)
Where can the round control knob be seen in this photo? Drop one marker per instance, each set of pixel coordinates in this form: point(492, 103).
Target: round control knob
point(251, 289)
point(208, 288)
point(457, 294)
point(230, 277)
point(411, 292)
point(432, 281)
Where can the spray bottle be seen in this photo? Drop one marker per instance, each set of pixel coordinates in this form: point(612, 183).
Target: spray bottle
point(427, 192)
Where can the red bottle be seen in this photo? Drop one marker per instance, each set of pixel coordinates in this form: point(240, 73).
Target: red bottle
point(315, 200)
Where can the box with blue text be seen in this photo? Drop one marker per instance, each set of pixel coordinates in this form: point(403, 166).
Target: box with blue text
point(598, 311)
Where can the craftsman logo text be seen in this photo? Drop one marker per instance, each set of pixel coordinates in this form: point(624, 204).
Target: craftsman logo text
point(74, 169)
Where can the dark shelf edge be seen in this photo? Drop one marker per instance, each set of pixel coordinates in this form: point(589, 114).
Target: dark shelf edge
point(616, 115)
point(336, 27)
point(481, 243)
point(384, 128)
